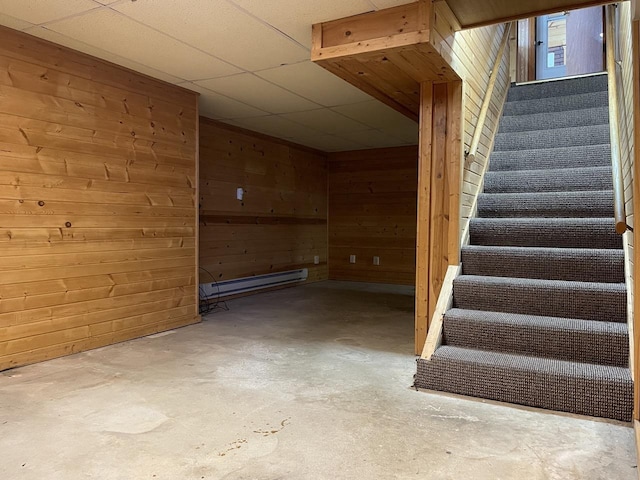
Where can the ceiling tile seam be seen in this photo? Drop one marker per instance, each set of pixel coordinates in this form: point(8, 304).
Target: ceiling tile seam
point(267, 24)
point(280, 115)
point(109, 7)
point(98, 6)
point(182, 80)
point(266, 114)
point(286, 89)
point(368, 127)
point(270, 82)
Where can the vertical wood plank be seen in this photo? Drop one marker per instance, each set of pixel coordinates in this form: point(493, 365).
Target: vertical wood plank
point(439, 228)
point(424, 216)
point(455, 157)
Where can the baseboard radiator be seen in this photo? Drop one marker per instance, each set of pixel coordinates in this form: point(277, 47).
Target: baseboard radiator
point(249, 284)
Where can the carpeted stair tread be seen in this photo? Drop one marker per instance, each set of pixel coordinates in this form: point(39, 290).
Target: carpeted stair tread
point(552, 138)
point(551, 298)
point(580, 388)
point(558, 88)
point(552, 158)
point(571, 339)
point(570, 264)
point(557, 104)
point(561, 180)
point(545, 232)
point(546, 204)
point(548, 121)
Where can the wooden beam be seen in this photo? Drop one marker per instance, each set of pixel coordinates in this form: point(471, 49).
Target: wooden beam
point(455, 156)
point(439, 186)
point(388, 53)
point(424, 215)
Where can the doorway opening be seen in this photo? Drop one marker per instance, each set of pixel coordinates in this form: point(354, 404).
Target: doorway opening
point(563, 44)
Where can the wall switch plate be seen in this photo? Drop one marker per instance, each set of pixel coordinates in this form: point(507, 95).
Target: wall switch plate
point(352, 259)
point(376, 260)
point(316, 260)
point(239, 193)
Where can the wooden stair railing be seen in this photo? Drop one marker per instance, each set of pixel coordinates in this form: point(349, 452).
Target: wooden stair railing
point(619, 207)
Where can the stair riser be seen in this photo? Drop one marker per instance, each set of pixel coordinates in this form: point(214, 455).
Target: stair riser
point(564, 137)
point(605, 266)
point(571, 205)
point(517, 233)
point(544, 121)
point(557, 104)
point(566, 301)
point(543, 159)
point(578, 346)
point(601, 398)
point(559, 88)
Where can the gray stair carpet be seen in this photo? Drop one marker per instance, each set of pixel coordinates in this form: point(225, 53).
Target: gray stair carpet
point(539, 315)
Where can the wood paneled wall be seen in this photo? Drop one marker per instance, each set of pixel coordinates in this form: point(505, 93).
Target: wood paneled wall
point(97, 188)
point(281, 222)
point(372, 212)
point(472, 54)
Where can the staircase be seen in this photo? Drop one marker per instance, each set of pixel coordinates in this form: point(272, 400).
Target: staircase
point(539, 312)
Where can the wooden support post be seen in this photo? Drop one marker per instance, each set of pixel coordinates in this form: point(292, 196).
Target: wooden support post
point(438, 230)
point(424, 215)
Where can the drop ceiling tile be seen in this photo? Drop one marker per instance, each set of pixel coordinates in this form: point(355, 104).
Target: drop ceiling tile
point(12, 22)
point(218, 107)
point(326, 121)
point(254, 91)
point(315, 83)
point(295, 17)
point(55, 37)
point(276, 127)
point(330, 143)
point(122, 36)
point(380, 116)
point(373, 139)
point(41, 11)
point(380, 4)
point(221, 29)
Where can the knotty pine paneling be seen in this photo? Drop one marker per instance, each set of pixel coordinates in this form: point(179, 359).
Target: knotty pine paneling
point(97, 202)
point(372, 212)
point(281, 222)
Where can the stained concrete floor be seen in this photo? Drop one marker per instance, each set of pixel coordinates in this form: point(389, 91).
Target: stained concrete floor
point(305, 383)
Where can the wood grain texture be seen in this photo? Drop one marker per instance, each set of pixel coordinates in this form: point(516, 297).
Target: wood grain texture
point(499, 11)
point(97, 202)
point(388, 53)
point(281, 222)
point(372, 212)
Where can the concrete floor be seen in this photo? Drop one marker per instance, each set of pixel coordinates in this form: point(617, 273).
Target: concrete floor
point(304, 383)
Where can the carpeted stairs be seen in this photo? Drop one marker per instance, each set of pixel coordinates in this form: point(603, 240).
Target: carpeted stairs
point(539, 315)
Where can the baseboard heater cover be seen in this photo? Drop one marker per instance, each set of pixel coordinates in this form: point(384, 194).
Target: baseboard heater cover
point(250, 284)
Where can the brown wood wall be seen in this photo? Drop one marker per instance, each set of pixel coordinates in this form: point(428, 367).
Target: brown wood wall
point(626, 120)
point(372, 212)
point(281, 223)
point(472, 54)
point(97, 190)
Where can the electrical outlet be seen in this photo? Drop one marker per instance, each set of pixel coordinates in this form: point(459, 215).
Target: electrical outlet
point(376, 260)
point(352, 259)
point(316, 260)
